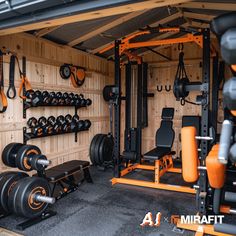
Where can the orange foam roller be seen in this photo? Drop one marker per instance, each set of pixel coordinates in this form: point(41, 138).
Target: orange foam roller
point(215, 170)
point(189, 154)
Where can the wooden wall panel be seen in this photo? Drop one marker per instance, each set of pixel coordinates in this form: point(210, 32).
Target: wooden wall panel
point(43, 61)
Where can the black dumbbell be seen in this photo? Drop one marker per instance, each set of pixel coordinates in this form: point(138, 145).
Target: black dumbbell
point(60, 98)
point(66, 127)
point(51, 120)
point(46, 98)
point(42, 121)
point(88, 102)
point(66, 98)
point(54, 100)
point(29, 93)
point(82, 100)
point(87, 124)
point(35, 97)
point(72, 99)
point(60, 121)
point(41, 128)
point(36, 129)
point(74, 122)
point(80, 125)
point(32, 122)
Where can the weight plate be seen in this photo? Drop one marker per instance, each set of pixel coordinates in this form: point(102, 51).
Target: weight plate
point(9, 154)
point(23, 156)
point(92, 148)
point(1, 177)
point(100, 150)
point(108, 148)
point(7, 183)
point(25, 204)
point(96, 150)
point(65, 71)
point(107, 93)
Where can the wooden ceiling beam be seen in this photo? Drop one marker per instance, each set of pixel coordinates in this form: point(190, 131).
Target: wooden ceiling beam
point(106, 27)
point(198, 16)
point(209, 6)
point(155, 24)
point(94, 14)
point(42, 32)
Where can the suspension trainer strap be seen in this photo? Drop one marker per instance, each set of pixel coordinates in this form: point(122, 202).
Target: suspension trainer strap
point(2, 94)
point(11, 92)
point(24, 80)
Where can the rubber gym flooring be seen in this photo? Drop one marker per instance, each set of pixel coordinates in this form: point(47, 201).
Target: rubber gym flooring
point(102, 210)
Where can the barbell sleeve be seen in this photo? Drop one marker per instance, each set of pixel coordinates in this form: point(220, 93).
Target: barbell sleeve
point(225, 228)
point(44, 162)
point(203, 138)
point(230, 196)
point(46, 199)
point(225, 141)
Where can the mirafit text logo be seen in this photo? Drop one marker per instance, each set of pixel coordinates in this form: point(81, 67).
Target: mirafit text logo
point(155, 220)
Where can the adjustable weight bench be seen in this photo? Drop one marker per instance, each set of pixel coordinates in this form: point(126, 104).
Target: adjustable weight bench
point(161, 156)
point(67, 177)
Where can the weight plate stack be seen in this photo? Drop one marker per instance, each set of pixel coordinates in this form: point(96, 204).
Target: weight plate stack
point(7, 182)
point(9, 154)
point(22, 197)
point(101, 149)
point(24, 155)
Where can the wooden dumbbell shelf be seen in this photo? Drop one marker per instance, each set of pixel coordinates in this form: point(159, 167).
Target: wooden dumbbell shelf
point(28, 135)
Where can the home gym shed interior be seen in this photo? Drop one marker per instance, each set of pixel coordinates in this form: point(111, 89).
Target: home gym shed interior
point(123, 92)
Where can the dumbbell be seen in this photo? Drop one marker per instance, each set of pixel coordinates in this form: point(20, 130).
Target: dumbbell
point(88, 102)
point(35, 97)
point(72, 99)
point(66, 126)
point(46, 98)
point(66, 98)
point(32, 122)
point(51, 120)
point(54, 100)
point(87, 124)
point(60, 121)
point(73, 125)
point(80, 124)
point(60, 98)
point(30, 197)
point(42, 125)
point(82, 100)
point(48, 128)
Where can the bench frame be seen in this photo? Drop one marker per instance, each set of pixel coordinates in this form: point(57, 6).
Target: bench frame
point(163, 165)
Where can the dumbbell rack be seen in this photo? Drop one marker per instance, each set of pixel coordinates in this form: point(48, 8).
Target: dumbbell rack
point(27, 136)
point(27, 105)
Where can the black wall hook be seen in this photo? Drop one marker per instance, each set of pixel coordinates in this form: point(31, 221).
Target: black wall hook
point(167, 88)
point(159, 88)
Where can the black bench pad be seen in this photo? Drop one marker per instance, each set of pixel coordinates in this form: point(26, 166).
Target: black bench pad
point(158, 153)
point(68, 168)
